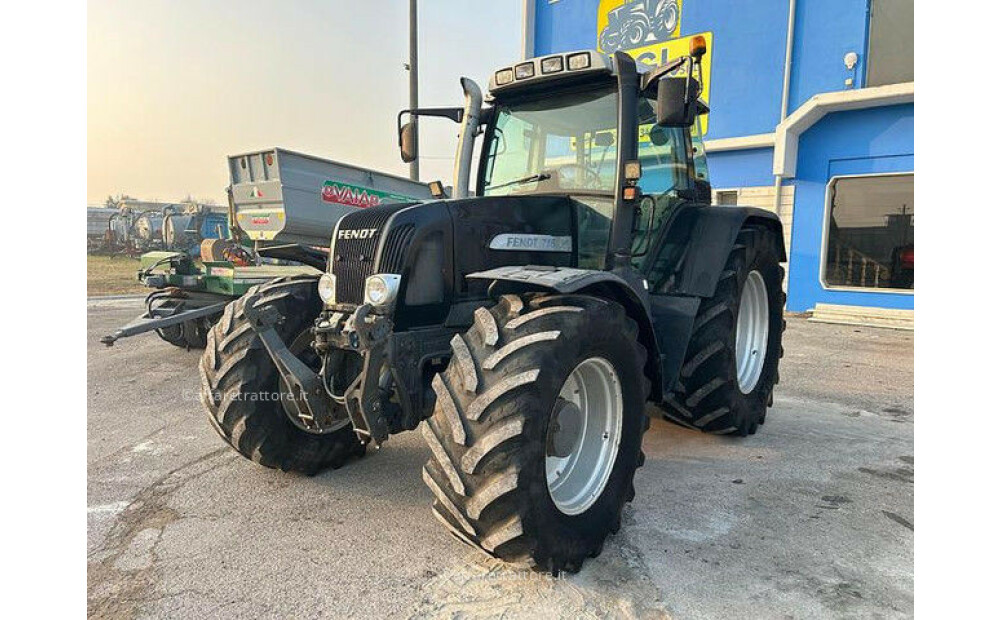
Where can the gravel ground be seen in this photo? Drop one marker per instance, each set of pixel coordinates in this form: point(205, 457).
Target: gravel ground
point(812, 517)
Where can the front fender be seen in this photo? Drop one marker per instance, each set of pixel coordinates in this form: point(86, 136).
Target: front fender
point(545, 277)
point(602, 284)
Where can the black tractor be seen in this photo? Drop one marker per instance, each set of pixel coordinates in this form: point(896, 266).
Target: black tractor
point(523, 324)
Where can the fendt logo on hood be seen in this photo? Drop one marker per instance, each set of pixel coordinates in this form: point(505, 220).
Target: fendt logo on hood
point(360, 233)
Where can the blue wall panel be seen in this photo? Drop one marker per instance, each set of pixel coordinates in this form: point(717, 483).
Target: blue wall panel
point(824, 32)
point(741, 168)
point(565, 26)
point(878, 140)
point(747, 59)
point(747, 62)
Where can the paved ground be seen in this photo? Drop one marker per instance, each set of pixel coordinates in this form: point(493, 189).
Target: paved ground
point(812, 517)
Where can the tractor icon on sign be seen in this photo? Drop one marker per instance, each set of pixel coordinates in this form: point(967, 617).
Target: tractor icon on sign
point(632, 23)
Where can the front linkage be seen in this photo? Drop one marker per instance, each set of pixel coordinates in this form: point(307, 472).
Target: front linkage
point(313, 406)
point(345, 338)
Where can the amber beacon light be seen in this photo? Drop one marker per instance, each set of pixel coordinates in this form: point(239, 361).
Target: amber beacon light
point(698, 46)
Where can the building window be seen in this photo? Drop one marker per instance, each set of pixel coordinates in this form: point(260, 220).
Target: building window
point(726, 197)
point(869, 233)
point(890, 42)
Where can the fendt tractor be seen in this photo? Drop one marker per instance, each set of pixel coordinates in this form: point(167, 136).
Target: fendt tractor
point(278, 200)
point(525, 323)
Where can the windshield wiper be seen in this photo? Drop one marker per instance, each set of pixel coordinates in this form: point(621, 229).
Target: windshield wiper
point(528, 179)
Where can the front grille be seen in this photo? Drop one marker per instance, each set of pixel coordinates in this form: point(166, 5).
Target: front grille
point(394, 250)
point(354, 259)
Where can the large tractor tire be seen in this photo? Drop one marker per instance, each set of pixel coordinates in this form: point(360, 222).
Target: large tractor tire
point(245, 396)
point(537, 429)
point(189, 334)
point(731, 366)
point(196, 333)
point(174, 334)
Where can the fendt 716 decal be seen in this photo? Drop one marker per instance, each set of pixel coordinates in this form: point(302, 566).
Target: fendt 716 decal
point(361, 197)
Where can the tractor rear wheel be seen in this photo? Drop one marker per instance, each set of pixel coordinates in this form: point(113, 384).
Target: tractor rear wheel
point(537, 429)
point(731, 366)
point(244, 394)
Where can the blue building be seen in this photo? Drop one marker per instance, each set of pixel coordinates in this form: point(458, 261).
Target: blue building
point(811, 117)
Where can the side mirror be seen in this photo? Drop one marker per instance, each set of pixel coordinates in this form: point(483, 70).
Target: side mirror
point(703, 190)
point(407, 142)
point(700, 192)
point(676, 102)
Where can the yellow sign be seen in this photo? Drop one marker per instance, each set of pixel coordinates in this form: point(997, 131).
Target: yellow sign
point(649, 32)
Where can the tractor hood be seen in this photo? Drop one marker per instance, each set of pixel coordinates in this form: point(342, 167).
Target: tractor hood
point(435, 245)
point(512, 230)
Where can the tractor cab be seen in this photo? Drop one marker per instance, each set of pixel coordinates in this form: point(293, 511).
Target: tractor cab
point(619, 140)
point(567, 142)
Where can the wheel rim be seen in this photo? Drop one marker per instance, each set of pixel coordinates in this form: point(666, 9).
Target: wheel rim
point(585, 430)
point(751, 332)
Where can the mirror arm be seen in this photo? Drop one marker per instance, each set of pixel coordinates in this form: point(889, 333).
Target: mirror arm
point(454, 114)
point(650, 79)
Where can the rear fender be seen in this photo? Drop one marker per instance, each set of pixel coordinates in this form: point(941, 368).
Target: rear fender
point(701, 239)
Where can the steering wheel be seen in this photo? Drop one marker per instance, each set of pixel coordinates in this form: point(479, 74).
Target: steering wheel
point(591, 179)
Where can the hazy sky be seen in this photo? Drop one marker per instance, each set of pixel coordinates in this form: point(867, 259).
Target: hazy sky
point(175, 86)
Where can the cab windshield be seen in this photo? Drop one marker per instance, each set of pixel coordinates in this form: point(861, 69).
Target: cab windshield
point(568, 144)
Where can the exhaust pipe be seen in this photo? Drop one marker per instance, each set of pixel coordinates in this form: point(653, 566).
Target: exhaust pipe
point(467, 137)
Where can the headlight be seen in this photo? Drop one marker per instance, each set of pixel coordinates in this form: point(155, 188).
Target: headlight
point(381, 289)
point(552, 65)
point(579, 61)
point(504, 77)
point(328, 288)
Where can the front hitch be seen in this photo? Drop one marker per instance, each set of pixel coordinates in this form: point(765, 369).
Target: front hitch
point(367, 333)
point(315, 408)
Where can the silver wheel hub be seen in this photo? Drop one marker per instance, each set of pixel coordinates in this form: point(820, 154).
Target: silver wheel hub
point(585, 431)
point(752, 322)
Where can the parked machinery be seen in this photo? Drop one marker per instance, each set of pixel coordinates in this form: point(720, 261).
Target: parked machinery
point(136, 226)
point(147, 230)
point(186, 226)
point(98, 219)
point(524, 326)
point(283, 206)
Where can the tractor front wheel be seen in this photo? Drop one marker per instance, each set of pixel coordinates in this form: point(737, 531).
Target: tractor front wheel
point(537, 429)
point(246, 399)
